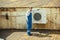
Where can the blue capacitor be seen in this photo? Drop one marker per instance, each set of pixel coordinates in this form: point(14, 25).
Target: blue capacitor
point(29, 23)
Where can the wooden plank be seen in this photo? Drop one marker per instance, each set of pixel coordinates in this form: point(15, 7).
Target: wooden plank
point(29, 3)
point(53, 17)
point(35, 36)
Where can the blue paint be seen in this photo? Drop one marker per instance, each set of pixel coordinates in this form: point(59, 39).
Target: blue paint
point(29, 23)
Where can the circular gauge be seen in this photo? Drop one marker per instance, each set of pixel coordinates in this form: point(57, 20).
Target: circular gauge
point(37, 16)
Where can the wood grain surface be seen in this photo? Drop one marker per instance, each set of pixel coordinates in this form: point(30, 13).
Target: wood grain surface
point(35, 36)
point(19, 22)
point(29, 3)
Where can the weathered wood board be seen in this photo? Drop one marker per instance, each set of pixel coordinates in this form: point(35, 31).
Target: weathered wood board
point(29, 3)
point(17, 19)
point(19, 22)
point(35, 36)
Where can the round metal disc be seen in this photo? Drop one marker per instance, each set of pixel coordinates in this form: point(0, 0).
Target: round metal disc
point(37, 16)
